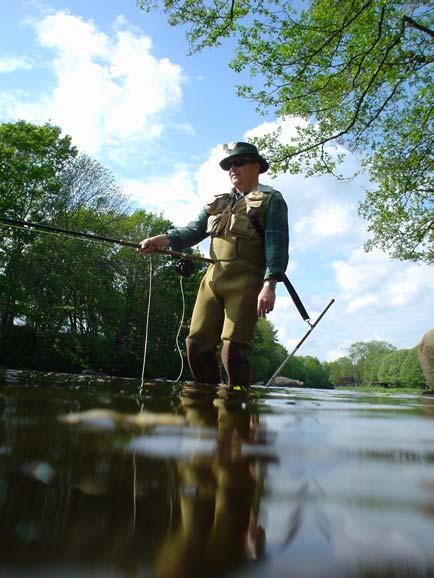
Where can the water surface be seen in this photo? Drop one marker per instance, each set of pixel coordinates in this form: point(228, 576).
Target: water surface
point(290, 483)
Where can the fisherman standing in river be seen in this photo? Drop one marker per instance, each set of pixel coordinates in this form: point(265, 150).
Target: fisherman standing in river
point(249, 243)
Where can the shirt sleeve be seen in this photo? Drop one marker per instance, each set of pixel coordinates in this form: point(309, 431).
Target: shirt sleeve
point(195, 232)
point(276, 237)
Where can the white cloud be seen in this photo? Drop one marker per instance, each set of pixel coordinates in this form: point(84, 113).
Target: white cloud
point(210, 178)
point(185, 127)
point(108, 91)
point(13, 63)
point(360, 273)
point(325, 221)
point(174, 196)
point(287, 128)
point(183, 193)
point(372, 280)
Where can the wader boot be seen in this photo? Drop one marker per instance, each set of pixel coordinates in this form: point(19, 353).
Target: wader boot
point(203, 364)
point(236, 361)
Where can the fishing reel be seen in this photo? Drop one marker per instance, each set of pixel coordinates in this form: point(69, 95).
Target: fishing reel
point(184, 267)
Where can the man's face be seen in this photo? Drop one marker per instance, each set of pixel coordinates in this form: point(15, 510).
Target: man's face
point(244, 172)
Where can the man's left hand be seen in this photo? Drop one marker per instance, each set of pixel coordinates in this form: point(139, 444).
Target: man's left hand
point(266, 300)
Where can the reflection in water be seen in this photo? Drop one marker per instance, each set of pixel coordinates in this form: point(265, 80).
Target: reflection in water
point(279, 484)
point(220, 494)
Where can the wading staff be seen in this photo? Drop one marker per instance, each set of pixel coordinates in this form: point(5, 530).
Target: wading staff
point(312, 327)
point(92, 237)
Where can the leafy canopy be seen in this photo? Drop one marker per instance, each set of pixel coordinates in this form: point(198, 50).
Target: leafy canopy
point(354, 74)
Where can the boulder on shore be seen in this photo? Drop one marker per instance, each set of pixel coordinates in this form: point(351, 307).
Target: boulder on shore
point(288, 382)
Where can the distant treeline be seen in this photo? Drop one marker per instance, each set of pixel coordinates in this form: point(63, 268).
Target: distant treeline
point(68, 304)
point(376, 363)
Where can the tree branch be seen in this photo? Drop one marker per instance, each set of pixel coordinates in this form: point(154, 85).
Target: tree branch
point(414, 24)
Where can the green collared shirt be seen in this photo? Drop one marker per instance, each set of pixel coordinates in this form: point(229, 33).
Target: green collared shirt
point(275, 231)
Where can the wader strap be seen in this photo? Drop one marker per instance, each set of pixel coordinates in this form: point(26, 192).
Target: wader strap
point(294, 296)
point(289, 286)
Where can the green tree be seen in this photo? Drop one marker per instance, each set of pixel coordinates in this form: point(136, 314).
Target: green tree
point(341, 372)
point(87, 185)
point(294, 368)
point(411, 374)
point(356, 74)
point(64, 286)
point(31, 160)
point(390, 367)
point(268, 353)
point(66, 303)
point(366, 357)
point(314, 374)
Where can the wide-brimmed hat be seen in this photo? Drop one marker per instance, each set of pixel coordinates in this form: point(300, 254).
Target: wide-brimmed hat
point(241, 149)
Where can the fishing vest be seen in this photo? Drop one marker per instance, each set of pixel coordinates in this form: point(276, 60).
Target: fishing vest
point(237, 228)
point(245, 218)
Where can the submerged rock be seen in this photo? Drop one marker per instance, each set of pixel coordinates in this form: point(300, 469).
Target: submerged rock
point(94, 373)
point(109, 419)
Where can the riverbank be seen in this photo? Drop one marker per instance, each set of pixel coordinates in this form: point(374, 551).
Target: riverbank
point(33, 377)
point(377, 389)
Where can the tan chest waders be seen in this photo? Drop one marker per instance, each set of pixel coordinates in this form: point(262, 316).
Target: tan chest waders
point(226, 303)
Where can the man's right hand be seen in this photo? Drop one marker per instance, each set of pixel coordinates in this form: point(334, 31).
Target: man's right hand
point(154, 243)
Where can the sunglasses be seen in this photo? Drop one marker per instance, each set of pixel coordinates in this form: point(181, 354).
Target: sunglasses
point(238, 163)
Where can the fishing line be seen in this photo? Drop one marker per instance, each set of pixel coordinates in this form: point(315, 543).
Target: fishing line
point(145, 351)
point(180, 327)
point(134, 492)
point(181, 323)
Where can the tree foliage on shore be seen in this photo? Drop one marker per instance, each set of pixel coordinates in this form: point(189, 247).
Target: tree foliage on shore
point(68, 304)
point(372, 363)
point(356, 76)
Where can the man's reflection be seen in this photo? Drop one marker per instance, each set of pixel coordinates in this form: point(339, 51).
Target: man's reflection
point(220, 493)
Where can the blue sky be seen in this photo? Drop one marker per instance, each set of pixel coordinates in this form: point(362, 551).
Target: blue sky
point(120, 82)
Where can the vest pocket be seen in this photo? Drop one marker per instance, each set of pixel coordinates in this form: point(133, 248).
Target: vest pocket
point(216, 223)
point(212, 224)
point(241, 226)
point(253, 206)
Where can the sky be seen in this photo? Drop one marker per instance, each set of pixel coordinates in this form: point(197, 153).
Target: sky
point(120, 82)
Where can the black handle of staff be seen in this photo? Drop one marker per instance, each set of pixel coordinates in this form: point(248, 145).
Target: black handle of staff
point(296, 299)
point(302, 340)
point(93, 237)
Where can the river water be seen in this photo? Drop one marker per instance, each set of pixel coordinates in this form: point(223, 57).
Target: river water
point(105, 482)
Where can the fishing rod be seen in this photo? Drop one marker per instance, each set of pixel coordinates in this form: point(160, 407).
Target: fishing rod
point(184, 265)
point(93, 237)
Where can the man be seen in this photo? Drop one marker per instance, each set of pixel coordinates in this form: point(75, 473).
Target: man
point(249, 231)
